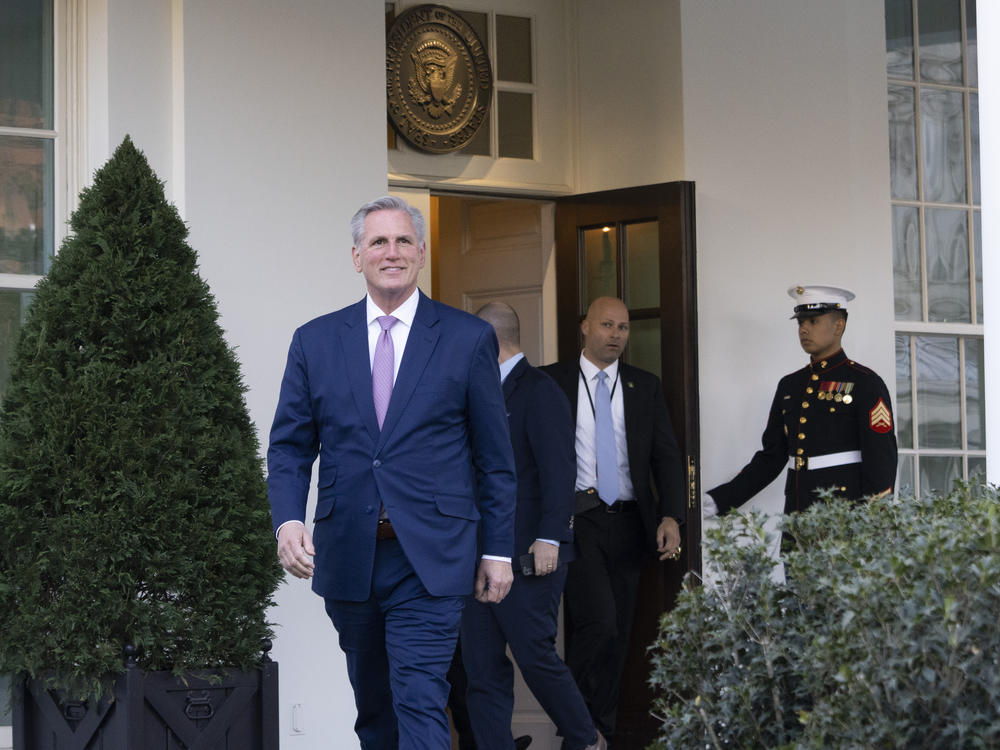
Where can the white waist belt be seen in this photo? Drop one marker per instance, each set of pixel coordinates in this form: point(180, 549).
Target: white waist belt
point(798, 463)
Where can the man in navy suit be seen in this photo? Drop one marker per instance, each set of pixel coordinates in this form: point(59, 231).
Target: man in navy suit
point(541, 432)
point(618, 517)
point(399, 397)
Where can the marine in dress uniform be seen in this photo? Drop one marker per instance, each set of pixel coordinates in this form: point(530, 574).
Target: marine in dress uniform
point(830, 424)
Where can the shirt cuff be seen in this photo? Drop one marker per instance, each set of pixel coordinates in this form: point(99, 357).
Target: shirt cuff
point(496, 557)
point(553, 542)
point(278, 530)
point(708, 506)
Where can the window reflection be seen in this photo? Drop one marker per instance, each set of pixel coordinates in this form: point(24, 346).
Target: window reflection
point(902, 143)
point(940, 40)
point(904, 393)
point(938, 474)
point(943, 126)
point(906, 266)
point(947, 265)
point(600, 278)
point(939, 419)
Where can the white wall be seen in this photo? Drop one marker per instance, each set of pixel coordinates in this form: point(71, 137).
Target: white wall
point(629, 93)
point(785, 135)
point(285, 137)
point(140, 81)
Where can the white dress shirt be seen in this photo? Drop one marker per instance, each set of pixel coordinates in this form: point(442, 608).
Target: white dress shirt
point(400, 332)
point(586, 439)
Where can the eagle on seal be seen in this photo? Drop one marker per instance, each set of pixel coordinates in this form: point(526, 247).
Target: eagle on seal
point(433, 85)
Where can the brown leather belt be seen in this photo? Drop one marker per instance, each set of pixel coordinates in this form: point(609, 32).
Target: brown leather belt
point(384, 530)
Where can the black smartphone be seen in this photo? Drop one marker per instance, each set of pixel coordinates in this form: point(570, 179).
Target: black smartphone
point(528, 564)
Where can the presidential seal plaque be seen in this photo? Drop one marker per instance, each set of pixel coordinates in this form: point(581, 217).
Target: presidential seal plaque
point(438, 79)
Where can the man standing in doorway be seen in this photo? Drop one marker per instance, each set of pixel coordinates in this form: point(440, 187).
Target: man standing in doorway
point(625, 444)
point(830, 423)
point(541, 432)
point(400, 398)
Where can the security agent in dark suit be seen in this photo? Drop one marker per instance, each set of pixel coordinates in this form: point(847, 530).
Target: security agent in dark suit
point(541, 433)
point(618, 516)
point(830, 423)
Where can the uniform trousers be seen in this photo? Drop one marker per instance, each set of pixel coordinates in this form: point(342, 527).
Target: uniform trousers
point(399, 644)
point(600, 599)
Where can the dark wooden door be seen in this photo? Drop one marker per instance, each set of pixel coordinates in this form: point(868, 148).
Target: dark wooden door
point(639, 244)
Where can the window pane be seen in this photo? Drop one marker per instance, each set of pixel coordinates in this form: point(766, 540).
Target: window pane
point(514, 125)
point(642, 264)
point(899, 38)
point(904, 479)
point(939, 418)
point(975, 394)
point(902, 143)
point(601, 264)
point(974, 132)
point(480, 143)
point(947, 249)
point(904, 395)
point(938, 474)
point(644, 344)
point(26, 213)
point(977, 469)
point(26, 64)
point(906, 273)
point(971, 46)
point(940, 26)
point(13, 307)
point(977, 240)
point(943, 142)
point(513, 49)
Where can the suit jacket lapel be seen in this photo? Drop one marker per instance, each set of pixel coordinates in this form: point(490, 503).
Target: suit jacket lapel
point(633, 409)
point(419, 346)
point(357, 360)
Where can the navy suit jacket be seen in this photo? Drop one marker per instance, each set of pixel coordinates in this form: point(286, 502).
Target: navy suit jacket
point(443, 445)
point(541, 432)
point(654, 457)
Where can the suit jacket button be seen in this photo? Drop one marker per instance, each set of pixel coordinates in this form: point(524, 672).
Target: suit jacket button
point(376, 463)
point(369, 509)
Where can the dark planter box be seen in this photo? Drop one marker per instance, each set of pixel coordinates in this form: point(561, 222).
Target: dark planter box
point(234, 710)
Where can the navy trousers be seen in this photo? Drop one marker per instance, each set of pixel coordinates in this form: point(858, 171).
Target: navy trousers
point(399, 644)
point(527, 619)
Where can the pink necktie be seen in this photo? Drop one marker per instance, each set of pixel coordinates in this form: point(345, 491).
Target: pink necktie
point(382, 368)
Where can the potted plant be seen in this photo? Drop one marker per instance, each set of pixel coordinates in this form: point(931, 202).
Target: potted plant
point(136, 554)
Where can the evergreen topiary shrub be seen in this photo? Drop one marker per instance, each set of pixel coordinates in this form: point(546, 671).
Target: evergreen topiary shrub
point(885, 632)
point(133, 508)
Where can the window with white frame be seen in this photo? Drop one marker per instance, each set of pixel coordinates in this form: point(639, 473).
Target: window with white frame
point(27, 181)
point(937, 258)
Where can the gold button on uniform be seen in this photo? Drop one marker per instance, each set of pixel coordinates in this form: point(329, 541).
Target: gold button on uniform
point(814, 376)
point(802, 436)
point(802, 420)
point(799, 451)
point(805, 404)
point(809, 389)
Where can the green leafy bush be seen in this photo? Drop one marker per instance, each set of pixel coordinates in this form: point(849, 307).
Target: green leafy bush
point(133, 507)
point(885, 632)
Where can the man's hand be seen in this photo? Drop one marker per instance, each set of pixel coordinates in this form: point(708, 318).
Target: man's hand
point(668, 539)
point(295, 549)
point(493, 581)
point(546, 557)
